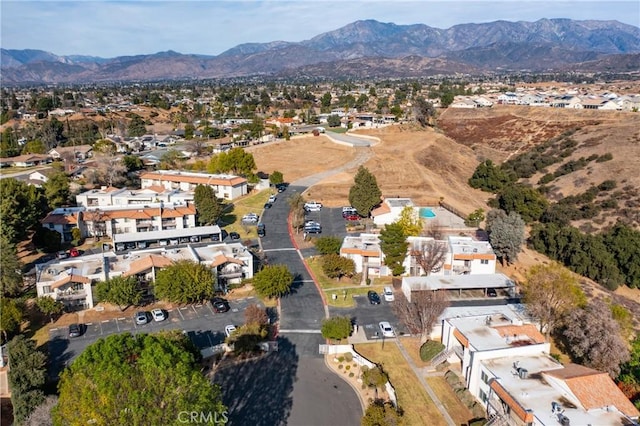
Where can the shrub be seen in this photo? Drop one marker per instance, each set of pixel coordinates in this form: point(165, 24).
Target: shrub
point(430, 349)
point(351, 374)
point(341, 359)
point(347, 367)
point(348, 356)
point(607, 185)
point(605, 157)
point(340, 367)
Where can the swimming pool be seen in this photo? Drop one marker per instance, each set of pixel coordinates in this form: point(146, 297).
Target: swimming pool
point(426, 212)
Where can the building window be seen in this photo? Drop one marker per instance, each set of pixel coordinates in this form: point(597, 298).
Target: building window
point(46, 289)
point(483, 396)
point(484, 262)
point(484, 377)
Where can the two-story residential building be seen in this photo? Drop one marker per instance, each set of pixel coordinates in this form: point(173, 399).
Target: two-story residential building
point(63, 220)
point(463, 256)
point(365, 251)
point(228, 187)
point(78, 152)
point(110, 196)
point(112, 220)
point(506, 365)
point(71, 280)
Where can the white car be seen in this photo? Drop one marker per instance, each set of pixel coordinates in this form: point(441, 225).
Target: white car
point(250, 217)
point(229, 329)
point(158, 315)
point(386, 329)
point(312, 206)
point(272, 198)
point(388, 294)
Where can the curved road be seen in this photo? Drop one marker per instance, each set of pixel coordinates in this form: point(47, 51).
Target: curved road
point(318, 397)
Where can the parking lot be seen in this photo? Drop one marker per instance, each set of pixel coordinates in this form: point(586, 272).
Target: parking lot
point(203, 326)
point(368, 316)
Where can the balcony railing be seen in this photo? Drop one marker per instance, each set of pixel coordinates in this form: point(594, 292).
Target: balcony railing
point(71, 295)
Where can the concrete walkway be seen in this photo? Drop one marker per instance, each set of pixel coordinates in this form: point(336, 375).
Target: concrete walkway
point(419, 374)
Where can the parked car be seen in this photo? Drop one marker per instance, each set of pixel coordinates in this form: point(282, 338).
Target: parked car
point(386, 329)
point(74, 252)
point(373, 297)
point(196, 239)
point(234, 235)
point(220, 305)
point(388, 294)
point(267, 205)
point(229, 329)
point(313, 229)
point(351, 217)
point(312, 206)
point(75, 330)
point(215, 237)
point(261, 230)
point(281, 187)
point(272, 198)
point(250, 218)
point(158, 315)
point(141, 317)
point(491, 292)
point(62, 254)
point(348, 211)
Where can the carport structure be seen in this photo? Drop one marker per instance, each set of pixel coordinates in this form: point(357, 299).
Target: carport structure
point(458, 286)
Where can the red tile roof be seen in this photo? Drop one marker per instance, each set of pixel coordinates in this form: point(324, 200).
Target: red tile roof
point(594, 389)
point(146, 263)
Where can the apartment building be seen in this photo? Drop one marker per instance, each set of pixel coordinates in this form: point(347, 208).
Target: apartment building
point(228, 187)
point(464, 256)
point(110, 196)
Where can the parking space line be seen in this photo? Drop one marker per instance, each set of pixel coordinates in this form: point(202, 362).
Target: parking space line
point(118, 325)
point(53, 329)
point(182, 316)
point(194, 310)
point(210, 309)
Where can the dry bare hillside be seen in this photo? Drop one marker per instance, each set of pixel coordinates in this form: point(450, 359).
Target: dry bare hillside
point(504, 131)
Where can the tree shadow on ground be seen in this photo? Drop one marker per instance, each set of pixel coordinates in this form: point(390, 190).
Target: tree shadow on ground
point(259, 391)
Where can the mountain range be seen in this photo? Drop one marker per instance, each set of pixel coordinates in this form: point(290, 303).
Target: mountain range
point(362, 49)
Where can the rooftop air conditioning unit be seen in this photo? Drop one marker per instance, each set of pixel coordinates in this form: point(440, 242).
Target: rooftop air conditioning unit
point(523, 373)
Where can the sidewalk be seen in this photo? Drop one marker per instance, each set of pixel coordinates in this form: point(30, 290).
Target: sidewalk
point(419, 372)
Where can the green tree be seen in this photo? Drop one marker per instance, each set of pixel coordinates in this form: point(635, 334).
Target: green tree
point(506, 234)
point(489, 177)
point(208, 206)
point(382, 413)
point(273, 281)
point(22, 207)
point(121, 291)
point(474, 218)
point(49, 306)
point(336, 328)
point(56, 190)
point(136, 127)
point(325, 101)
point(35, 146)
point(550, 293)
point(11, 268)
point(47, 239)
point(374, 377)
point(27, 376)
point(623, 242)
point(365, 194)
point(184, 282)
point(11, 316)
point(236, 161)
point(136, 380)
point(189, 130)
point(528, 202)
point(410, 221)
point(132, 163)
point(276, 178)
point(336, 266)
point(328, 245)
point(394, 246)
point(333, 120)
point(171, 159)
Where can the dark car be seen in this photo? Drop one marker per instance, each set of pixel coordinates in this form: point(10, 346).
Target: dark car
point(261, 230)
point(220, 305)
point(281, 187)
point(491, 292)
point(234, 235)
point(75, 330)
point(373, 297)
point(267, 205)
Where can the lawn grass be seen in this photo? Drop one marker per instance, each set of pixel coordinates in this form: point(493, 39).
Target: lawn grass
point(253, 203)
point(456, 409)
point(348, 301)
point(418, 407)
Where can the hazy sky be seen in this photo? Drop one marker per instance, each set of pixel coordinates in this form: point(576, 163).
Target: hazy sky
point(108, 29)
